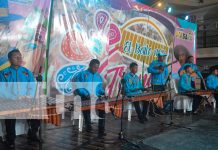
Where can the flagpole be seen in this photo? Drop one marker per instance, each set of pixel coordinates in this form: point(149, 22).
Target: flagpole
point(143, 71)
point(46, 68)
point(47, 45)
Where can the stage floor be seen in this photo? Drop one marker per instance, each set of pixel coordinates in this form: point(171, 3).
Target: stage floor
point(152, 135)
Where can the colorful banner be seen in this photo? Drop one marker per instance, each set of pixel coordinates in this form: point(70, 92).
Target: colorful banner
point(183, 48)
point(115, 32)
point(24, 26)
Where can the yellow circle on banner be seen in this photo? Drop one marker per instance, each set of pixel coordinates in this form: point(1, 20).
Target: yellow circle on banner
point(138, 46)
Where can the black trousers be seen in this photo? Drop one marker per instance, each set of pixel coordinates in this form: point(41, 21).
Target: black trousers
point(216, 98)
point(141, 113)
point(153, 106)
point(193, 84)
point(196, 101)
point(157, 88)
point(11, 132)
point(87, 116)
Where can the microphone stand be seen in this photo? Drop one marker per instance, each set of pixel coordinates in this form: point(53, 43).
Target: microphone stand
point(39, 82)
point(171, 106)
point(119, 91)
point(121, 134)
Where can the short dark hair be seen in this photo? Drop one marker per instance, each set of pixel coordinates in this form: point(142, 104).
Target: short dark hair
point(213, 68)
point(13, 51)
point(133, 64)
point(93, 62)
point(186, 67)
point(190, 57)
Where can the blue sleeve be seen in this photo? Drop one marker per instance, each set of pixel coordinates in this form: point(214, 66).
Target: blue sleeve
point(100, 90)
point(2, 79)
point(195, 68)
point(4, 87)
point(210, 83)
point(128, 88)
point(1, 86)
point(31, 90)
point(140, 84)
point(80, 91)
point(151, 68)
point(184, 85)
point(166, 72)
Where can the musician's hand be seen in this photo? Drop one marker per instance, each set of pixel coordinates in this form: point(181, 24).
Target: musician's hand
point(144, 89)
point(87, 97)
point(137, 89)
point(193, 90)
point(104, 97)
point(161, 68)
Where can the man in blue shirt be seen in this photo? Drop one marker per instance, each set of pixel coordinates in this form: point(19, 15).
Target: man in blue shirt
point(133, 87)
point(186, 87)
point(190, 61)
point(159, 73)
point(93, 83)
point(195, 71)
point(18, 82)
point(212, 82)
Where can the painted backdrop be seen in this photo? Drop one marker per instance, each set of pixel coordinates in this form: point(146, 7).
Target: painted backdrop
point(115, 32)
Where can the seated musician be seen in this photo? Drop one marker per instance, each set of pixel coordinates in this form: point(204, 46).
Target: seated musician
point(185, 88)
point(159, 74)
point(23, 78)
point(212, 82)
point(90, 76)
point(133, 87)
point(195, 73)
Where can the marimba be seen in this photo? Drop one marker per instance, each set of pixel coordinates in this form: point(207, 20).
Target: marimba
point(29, 108)
point(100, 104)
point(200, 92)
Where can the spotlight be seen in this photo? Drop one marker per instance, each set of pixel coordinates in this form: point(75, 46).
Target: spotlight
point(169, 10)
point(186, 17)
point(159, 4)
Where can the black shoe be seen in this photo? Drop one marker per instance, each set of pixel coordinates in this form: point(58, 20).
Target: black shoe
point(195, 112)
point(141, 121)
point(10, 145)
point(145, 119)
point(152, 114)
point(159, 112)
point(101, 134)
point(89, 129)
point(34, 139)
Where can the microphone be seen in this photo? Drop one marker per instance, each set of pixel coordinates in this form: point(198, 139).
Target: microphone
point(112, 111)
point(39, 77)
point(40, 69)
point(121, 85)
point(122, 79)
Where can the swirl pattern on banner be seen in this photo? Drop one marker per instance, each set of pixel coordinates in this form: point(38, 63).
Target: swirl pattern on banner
point(64, 77)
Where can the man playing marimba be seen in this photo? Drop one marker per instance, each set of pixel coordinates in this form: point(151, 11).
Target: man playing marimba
point(159, 74)
point(90, 78)
point(17, 80)
point(133, 87)
point(196, 72)
point(212, 82)
point(186, 87)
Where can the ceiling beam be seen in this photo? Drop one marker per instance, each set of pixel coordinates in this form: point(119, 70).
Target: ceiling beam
point(195, 3)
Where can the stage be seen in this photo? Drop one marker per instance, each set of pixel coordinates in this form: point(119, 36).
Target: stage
point(150, 136)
